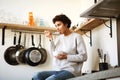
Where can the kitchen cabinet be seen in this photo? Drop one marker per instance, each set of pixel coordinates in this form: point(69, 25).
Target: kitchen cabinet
point(103, 9)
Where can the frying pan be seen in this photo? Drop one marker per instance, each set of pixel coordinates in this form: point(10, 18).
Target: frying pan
point(43, 51)
point(20, 56)
point(33, 55)
point(10, 53)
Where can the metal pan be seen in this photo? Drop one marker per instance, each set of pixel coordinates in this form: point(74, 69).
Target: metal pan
point(10, 53)
point(43, 52)
point(20, 56)
point(33, 54)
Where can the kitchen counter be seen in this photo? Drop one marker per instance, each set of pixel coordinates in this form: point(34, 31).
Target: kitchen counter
point(107, 74)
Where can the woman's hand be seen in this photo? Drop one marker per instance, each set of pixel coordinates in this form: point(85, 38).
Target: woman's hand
point(48, 34)
point(61, 56)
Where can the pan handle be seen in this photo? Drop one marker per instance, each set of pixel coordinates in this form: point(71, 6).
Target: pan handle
point(3, 35)
point(14, 42)
point(39, 45)
point(18, 46)
point(32, 40)
point(19, 40)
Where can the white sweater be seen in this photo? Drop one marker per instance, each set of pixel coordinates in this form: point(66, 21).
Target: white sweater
point(74, 46)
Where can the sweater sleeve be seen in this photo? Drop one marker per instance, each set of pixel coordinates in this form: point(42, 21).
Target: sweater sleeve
point(81, 53)
point(53, 45)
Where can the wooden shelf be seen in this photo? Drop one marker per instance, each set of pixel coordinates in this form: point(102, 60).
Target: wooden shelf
point(26, 27)
point(89, 25)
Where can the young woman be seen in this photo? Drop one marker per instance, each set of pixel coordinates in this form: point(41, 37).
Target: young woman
point(69, 52)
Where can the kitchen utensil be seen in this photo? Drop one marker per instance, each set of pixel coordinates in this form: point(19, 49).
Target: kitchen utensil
point(100, 55)
point(43, 51)
point(104, 58)
point(14, 41)
point(3, 35)
point(20, 56)
point(33, 55)
point(10, 53)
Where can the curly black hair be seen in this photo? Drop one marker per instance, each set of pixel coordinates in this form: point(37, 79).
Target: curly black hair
point(63, 18)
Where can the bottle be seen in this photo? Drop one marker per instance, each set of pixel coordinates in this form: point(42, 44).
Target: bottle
point(31, 19)
point(42, 22)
